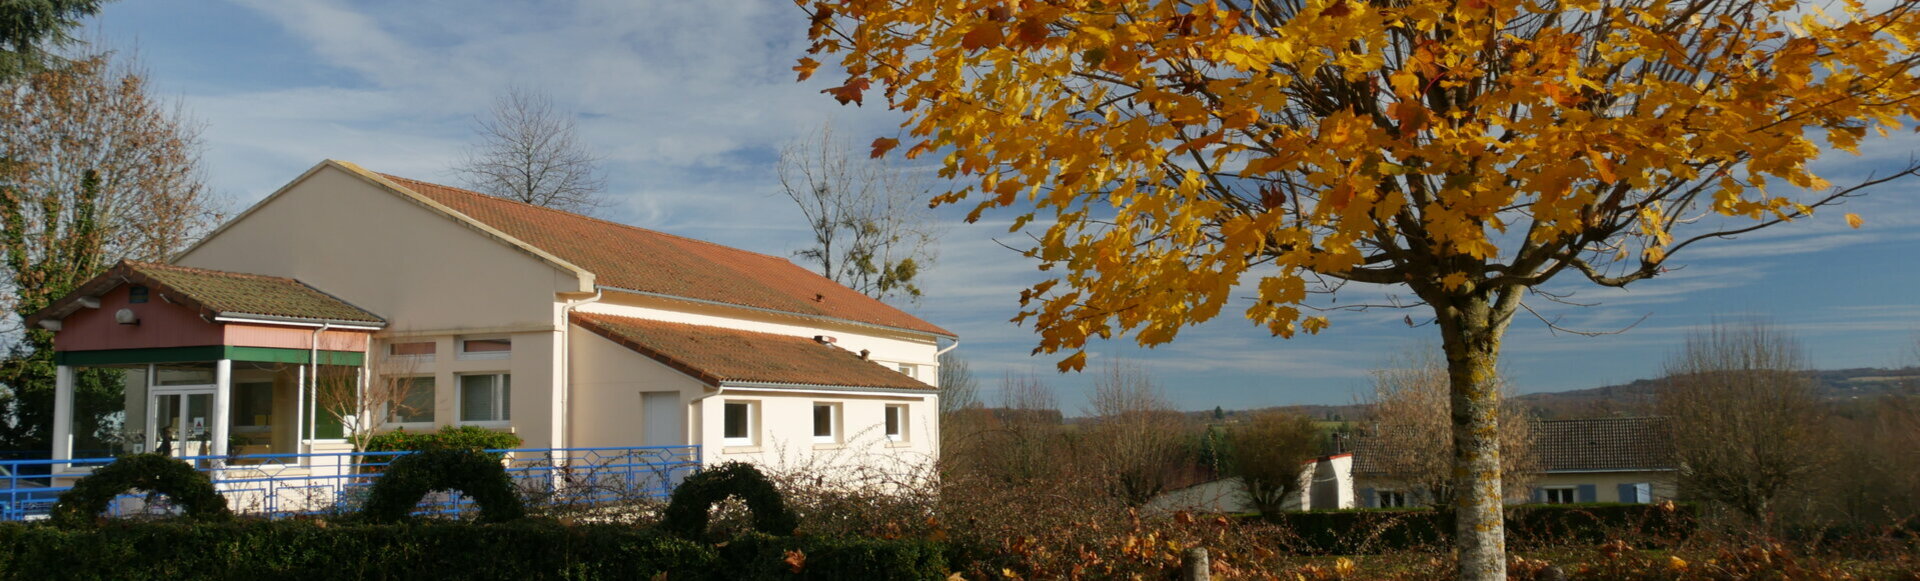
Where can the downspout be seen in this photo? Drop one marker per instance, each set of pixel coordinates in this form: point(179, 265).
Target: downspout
point(313, 379)
point(566, 367)
point(956, 344)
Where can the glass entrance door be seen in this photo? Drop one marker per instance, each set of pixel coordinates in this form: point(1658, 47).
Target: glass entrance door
point(182, 422)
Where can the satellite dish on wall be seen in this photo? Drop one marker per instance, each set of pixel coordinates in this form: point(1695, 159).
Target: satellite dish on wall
point(126, 317)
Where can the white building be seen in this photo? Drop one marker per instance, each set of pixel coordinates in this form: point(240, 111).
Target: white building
point(568, 331)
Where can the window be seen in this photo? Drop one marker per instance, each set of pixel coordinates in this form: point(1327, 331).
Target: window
point(826, 423)
point(420, 349)
point(486, 398)
point(412, 400)
point(1640, 492)
point(738, 424)
point(910, 369)
point(185, 374)
point(488, 348)
point(896, 423)
point(252, 406)
point(1393, 499)
point(1558, 495)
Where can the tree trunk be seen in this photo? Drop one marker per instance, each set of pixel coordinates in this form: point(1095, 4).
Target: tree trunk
point(1470, 333)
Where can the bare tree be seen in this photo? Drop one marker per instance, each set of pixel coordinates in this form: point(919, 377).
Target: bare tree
point(364, 406)
point(871, 227)
point(1406, 435)
point(528, 151)
point(1747, 426)
point(1137, 438)
point(1269, 452)
point(959, 389)
point(93, 169)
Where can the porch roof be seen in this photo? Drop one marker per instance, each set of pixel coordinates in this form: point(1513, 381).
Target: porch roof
point(217, 294)
point(716, 355)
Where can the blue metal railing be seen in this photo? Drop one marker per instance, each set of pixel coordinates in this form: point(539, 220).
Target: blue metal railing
point(277, 485)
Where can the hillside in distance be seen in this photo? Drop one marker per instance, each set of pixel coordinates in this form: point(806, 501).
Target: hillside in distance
point(1637, 397)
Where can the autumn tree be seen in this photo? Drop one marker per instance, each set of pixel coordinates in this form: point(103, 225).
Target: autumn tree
point(1748, 428)
point(1139, 442)
point(92, 170)
point(1405, 432)
point(1269, 453)
point(871, 228)
point(1168, 153)
point(528, 151)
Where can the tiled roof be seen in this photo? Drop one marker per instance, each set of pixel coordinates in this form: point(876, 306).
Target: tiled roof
point(1603, 444)
point(715, 355)
point(220, 293)
point(636, 259)
point(1575, 445)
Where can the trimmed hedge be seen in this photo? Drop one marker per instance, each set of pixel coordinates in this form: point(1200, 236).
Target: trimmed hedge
point(449, 437)
point(409, 478)
point(686, 513)
point(518, 551)
point(81, 506)
point(1363, 531)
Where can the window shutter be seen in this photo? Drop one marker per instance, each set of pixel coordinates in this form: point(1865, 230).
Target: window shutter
point(1369, 499)
point(1629, 493)
point(1588, 493)
point(1539, 495)
point(1643, 492)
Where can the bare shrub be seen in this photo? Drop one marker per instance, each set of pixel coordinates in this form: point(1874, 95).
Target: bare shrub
point(1138, 442)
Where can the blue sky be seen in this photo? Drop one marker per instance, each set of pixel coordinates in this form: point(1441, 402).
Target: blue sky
point(690, 101)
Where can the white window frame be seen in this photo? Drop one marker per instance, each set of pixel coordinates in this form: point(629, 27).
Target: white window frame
point(500, 403)
point(1548, 492)
point(753, 423)
point(461, 353)
point(909, 369)
point(894, 410)
point(833, 422)
point(427, 425)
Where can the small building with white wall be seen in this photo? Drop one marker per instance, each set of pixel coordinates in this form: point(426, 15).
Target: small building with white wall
point(568, 331)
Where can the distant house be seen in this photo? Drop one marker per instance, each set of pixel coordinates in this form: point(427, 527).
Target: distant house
point(568, 331)
point(1613, 459)
point(1625, 459)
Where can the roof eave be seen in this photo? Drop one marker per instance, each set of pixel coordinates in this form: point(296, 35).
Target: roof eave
point(778, 312)
point(742, 384)
point(239, 317)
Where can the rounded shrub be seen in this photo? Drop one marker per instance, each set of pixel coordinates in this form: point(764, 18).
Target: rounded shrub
point(409, 478)
point(187, 487)
point(686, 514)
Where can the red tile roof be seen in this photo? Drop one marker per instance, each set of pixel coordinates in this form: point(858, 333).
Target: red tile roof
point(219, 293)
point(636, 259)
point(715, 355)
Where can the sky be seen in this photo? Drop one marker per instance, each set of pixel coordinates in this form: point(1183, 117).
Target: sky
point(690, 102)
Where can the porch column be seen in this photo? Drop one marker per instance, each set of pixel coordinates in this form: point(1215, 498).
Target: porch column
point(62, 414)
point(222, 397)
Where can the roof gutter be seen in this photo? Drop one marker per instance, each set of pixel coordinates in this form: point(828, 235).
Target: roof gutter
point(296, 322)
point(775, 311)
point(818, 388)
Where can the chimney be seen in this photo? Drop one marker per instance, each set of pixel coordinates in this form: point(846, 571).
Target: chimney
point(825, 339)
point(864, 353)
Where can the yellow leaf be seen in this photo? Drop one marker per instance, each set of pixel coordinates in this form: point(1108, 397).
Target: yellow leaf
point(806, 68)
point(1854, 221)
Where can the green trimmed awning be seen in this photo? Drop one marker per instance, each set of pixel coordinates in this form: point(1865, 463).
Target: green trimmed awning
point(205, 353)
